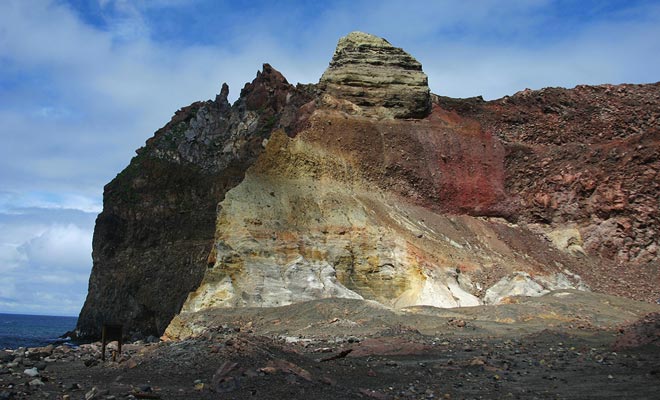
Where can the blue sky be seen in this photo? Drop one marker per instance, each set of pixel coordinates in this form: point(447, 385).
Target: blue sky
point(83, 83)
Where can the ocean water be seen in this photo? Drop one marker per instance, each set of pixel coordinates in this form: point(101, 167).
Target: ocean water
point(32, 330)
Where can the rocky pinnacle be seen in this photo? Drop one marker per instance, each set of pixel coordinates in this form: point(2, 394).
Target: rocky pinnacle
point(380, 79)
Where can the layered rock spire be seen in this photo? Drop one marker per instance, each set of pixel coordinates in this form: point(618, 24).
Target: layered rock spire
point(379, 79)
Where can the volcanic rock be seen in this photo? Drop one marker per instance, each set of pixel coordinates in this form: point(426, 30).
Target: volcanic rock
point(582, 167)
point(152, 240)
point(378, 78)
point(361, 187)
point(6, 356)
point(314, 228)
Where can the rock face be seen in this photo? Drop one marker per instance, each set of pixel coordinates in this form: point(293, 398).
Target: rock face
point(330, 214)
point(378, 79)
point(152, 240)
point(582, 165)
point(362, 187)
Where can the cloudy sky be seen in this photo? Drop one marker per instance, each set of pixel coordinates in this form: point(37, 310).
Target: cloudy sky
point(83, 83)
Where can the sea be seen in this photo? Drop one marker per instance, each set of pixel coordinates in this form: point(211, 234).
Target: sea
point(17, 330)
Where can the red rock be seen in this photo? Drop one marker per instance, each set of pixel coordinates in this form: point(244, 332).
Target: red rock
point(286, 367)
point(388, 347)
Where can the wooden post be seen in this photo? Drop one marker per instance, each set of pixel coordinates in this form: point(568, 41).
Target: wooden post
point(109, 334)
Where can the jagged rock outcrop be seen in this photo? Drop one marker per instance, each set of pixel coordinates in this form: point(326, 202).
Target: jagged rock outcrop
point(152, 240)
point(362, 187)
point(376, 78)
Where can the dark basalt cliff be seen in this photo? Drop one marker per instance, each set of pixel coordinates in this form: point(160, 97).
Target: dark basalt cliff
point(366, 185)
point(153, 238)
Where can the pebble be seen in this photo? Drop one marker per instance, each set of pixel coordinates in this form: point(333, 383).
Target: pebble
point(36, 382)
point(92, 394)
point(328, 381)
point(31, 372)
point(144, 388)
point(90, 362)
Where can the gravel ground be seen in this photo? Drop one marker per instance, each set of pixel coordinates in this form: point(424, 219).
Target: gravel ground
point(243, 360)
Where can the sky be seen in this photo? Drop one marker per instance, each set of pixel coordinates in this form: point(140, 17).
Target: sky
point(83, 83)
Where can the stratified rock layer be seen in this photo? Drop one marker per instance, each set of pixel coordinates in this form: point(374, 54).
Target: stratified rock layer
point(377, 78)
point(320, 216)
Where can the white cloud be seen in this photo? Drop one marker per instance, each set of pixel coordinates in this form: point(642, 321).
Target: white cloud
point(20, 202)
point(10, 257)
point(126, 22)
point(106, 97)
point(610, 52)
point(7, 288)
point(61, 246)
point(46, 251)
